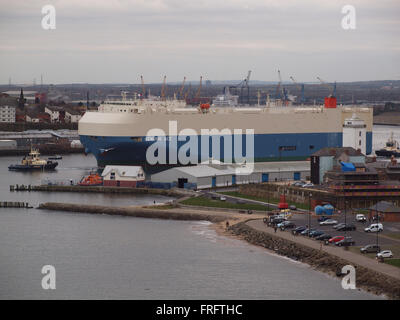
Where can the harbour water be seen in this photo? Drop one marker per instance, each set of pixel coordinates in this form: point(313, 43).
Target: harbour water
point(107, 257)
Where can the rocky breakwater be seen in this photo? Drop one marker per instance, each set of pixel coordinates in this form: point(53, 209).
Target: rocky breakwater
point(366, 279)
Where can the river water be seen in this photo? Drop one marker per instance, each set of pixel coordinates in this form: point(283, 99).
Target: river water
point(111, 257)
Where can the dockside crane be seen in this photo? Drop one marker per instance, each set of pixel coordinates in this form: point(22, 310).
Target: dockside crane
point(181, 88)
point(330, 101)
point(163, 88)
point(301, 88)
point(143, 88)
point(243, 85)
point(333, 94)
point(197, 96)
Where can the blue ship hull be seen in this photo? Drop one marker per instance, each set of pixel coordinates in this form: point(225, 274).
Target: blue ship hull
point(267, 147)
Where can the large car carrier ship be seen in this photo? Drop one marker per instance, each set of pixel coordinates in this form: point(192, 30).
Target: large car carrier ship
point(120, 132)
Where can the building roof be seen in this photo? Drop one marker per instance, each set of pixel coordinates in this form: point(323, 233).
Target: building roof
point(123, 171)
point(205, 170)
point(385, 206)
point(336, 152)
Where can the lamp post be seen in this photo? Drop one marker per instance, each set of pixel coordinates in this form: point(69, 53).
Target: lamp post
point(377, 214)
point(345, 218)
point(309, 213)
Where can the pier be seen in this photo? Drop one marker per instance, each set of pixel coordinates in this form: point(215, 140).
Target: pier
point(101, 189)
point(13, 204)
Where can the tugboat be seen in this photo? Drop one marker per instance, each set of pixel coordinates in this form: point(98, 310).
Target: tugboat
point(391, 149)
point(33, 162)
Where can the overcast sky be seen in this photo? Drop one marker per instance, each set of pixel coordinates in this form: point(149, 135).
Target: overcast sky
point(107, 41)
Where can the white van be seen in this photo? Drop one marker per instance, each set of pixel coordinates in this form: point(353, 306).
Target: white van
point(375, 227)
point(361, 218)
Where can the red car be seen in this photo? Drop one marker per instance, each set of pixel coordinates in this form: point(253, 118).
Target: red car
point(336, 239)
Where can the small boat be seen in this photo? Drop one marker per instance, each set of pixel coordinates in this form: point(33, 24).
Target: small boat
point(93, 179)
point(56, 157)
point(33, 162)
point(391, 149)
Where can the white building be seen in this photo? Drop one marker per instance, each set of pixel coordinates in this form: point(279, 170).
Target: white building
point(72, 116)
point(209, 176)
point(7, 114)
point(122, 176)
point(53, 112)
point(355, 133)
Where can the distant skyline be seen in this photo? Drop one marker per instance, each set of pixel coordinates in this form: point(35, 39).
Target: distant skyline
point(116, 41)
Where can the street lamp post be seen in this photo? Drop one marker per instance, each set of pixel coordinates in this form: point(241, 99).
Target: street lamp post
point(377, 214)
point(345, 218)
point(309, 213)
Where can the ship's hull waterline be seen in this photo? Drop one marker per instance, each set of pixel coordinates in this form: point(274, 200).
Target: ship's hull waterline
point(285, 133)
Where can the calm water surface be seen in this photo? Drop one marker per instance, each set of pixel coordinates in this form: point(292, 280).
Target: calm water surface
point(106, 257)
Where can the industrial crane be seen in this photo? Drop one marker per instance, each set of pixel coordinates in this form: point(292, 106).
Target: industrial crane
point(333, 94)
point(244, 84)
point(199, 89)
point(143, 89)
point(330, 101)
point(188, 90)
point(301, 88)
point(163, 88)
point(182, 87)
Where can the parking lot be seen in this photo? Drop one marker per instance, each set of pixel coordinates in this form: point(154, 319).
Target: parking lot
point(360, 237)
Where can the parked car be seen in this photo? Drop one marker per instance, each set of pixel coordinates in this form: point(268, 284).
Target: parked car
point(323, 218)
point(347, 227)
point(286, 225)
point(347, 241)
point(375, 227)
point(306, 231)
point(298, 183)
point(336, 239)
point(315, 233)
point(292, 207)
point(385, 254)
point(338, 225)
point(361, 218)
point(324, 237)
point(222, 198)
point(299, 229)
point(328, 222)
point(370, 248)
point(307, 185)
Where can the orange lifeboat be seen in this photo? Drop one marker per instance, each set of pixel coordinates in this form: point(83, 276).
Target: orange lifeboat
point(93, 179)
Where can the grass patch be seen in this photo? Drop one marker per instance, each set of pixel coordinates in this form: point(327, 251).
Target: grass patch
point(206, 202)
point(393, 262)
point(270, 200)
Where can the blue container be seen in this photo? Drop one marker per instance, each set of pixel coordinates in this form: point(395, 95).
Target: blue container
point(328, 209)
point(319, 210)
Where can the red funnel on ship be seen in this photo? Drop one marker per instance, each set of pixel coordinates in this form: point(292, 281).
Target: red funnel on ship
point(330, 102)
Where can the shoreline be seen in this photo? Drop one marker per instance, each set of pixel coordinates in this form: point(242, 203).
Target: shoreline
point(369, 280)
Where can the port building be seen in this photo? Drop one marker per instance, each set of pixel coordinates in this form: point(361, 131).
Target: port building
point(205, 176)
point(122, 176)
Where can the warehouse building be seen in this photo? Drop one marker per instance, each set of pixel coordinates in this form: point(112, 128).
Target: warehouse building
point(219, 175)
